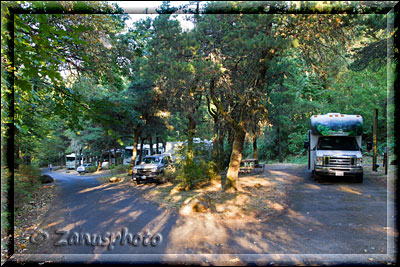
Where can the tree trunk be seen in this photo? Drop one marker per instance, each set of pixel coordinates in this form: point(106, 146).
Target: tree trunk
point(151, 145)
point(16, 155)
point(109, 158)
point(76, 158)
point(221, 151)
point(100, 161)
point(134, 152)
point(215, 141)
point(191, 133)
point(234, 164)
point(157, 149)
point(141, 149)
point(164, 143)
point(255, 149)
point(278, 132)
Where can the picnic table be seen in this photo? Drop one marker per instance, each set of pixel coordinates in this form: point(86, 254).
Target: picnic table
point(250, 166)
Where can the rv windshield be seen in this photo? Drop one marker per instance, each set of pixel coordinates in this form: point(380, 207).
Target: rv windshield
point(70, 159)
point(337, 143)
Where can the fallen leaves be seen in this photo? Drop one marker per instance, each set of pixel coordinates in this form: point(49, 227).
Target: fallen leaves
point(30, 215)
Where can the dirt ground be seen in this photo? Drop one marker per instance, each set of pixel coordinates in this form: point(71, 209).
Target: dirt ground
point(260, 196)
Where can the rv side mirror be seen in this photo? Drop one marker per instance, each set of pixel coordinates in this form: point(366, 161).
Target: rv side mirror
point(369, 146)
point(306, 144)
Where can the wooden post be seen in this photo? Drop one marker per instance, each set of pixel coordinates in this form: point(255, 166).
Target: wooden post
point(375, 145)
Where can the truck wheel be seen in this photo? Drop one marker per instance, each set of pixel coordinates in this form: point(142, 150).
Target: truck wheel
point(317, 178)
point(359, 178)
point(160, 179)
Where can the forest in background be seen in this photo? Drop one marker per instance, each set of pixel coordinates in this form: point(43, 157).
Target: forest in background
point(248, 76)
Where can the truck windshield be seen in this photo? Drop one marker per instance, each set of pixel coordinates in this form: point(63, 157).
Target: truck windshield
point(151, 160)
point(337, 143)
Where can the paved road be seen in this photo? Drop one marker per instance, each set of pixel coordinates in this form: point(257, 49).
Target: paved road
point(325, 222)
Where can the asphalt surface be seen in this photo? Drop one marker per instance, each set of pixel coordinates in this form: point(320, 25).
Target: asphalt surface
point(330, 222)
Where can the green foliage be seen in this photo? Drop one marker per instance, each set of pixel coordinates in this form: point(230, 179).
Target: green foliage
point(26, 181)
point(296, 143)
point(118, 169)
point(169, 175)
point(196, 173)
point(91, 169)
point(194, 169)
point(263, 72)
point(5, 224)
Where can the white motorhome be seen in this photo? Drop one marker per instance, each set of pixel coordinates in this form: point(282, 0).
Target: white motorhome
point(146, 152)
point(70, 161)
point(334, 146)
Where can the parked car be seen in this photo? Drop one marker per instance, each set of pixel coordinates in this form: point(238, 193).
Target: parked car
point(82, 169)
point(152, 168)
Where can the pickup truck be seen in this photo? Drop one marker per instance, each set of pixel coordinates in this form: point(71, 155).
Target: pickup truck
point(152, 168)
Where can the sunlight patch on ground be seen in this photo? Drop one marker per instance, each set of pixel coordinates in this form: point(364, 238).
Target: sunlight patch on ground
point(296, 216)
point(348, 189)
point(52, 224)
point(197, 232)
point(93, 188)
point(312, 186)
point(124, 210)
point(71, 226)
point(157, 224)
point(278, 234)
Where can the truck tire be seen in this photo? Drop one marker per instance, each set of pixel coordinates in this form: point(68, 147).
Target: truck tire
point(317, 178)
point(359, 178)
point(160, 179)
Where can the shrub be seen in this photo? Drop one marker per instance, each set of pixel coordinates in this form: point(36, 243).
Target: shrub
point(5, 224)
point(116, 169)
point(169, 175)
point(195, 173)
point(26, 181)
point(91, 169)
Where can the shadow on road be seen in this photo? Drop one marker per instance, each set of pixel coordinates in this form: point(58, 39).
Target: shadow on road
point(338, 217)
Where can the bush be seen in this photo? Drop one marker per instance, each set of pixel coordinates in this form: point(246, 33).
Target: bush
point(169, 175)
point(5, 224)
point(117, 169)
point(195, 173)
point(91, 169)
point(26, 181)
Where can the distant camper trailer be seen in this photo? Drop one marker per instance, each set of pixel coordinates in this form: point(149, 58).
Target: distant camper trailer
point(146, 152)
